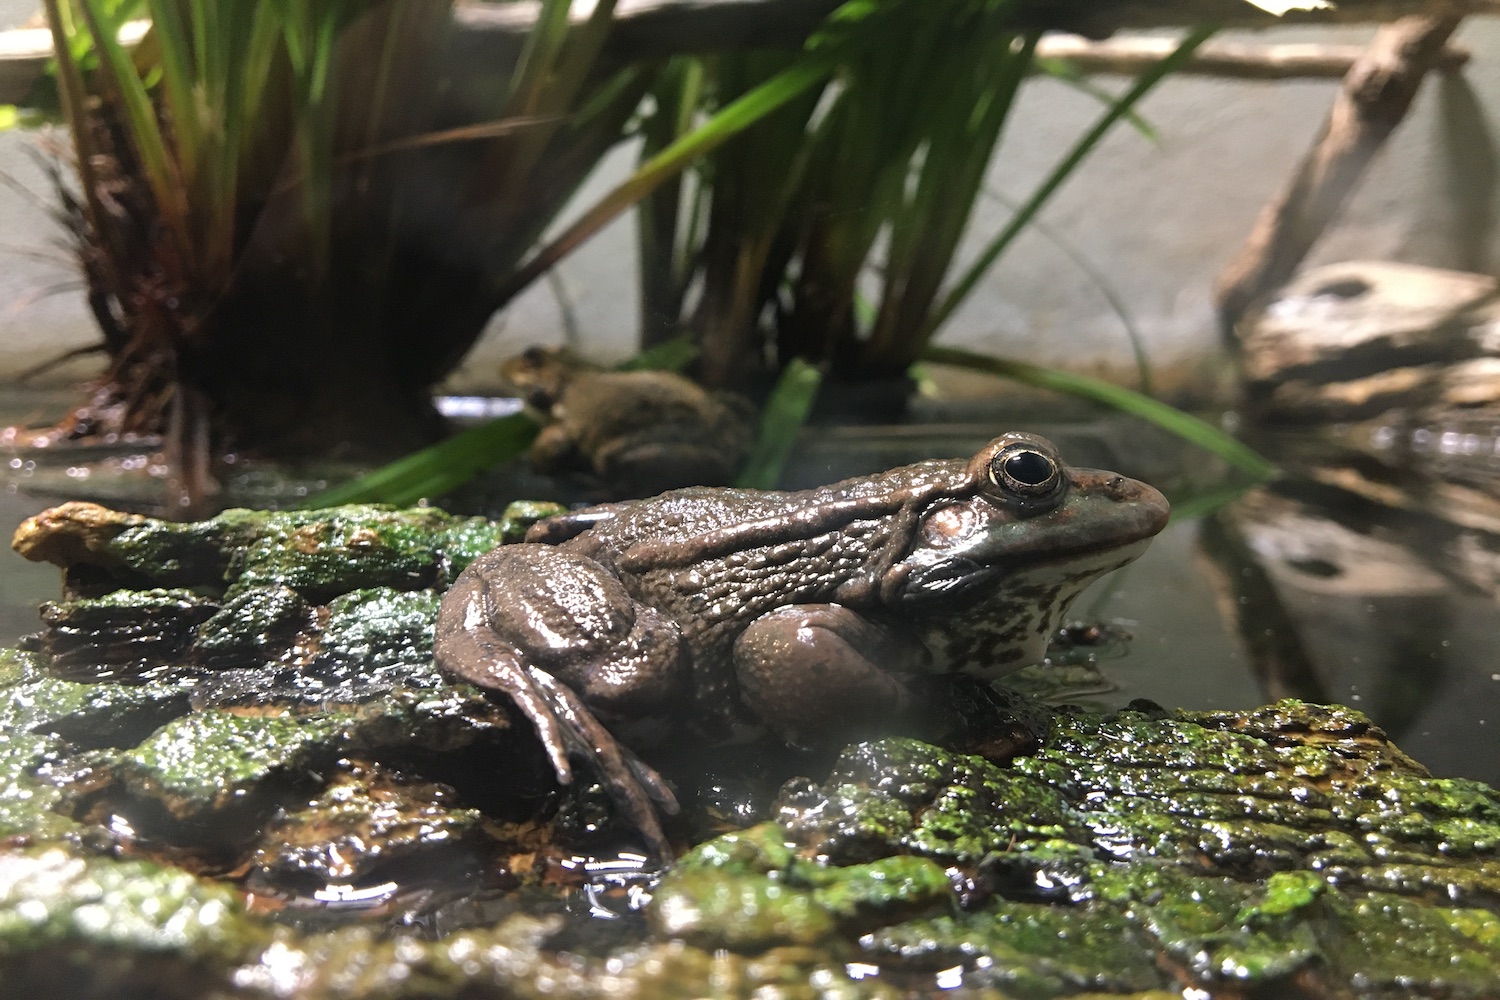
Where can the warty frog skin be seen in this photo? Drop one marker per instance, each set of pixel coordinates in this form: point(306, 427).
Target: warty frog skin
point(716, 613)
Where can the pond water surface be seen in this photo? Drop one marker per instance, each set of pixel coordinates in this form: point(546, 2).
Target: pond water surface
point(1417, 650)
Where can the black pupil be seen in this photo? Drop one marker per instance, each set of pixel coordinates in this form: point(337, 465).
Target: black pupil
point(1028, 468)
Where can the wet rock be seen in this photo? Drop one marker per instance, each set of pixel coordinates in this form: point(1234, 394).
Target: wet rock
point(1345, 321)
point(258, 625)
point(913, 797)
point(85, 715)
point(42, 718)
point(379, 629)
point(121, 633)
point(1287, 851)
point(28, 804)
point(303, 746)
point(98, 927)
point(319, 554)
point(205, 783)
point(1251, 854)
point(366, 827)
point(1024, 949)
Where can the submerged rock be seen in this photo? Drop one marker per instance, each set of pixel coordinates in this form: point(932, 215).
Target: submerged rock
point(296, 804)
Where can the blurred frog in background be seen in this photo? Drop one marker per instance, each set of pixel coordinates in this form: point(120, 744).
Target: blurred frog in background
point(639, 432)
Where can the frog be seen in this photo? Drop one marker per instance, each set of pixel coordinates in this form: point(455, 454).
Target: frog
point(638, 432)
point(811, 616)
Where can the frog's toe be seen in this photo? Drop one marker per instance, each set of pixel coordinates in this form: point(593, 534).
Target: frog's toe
point(636, 789)
point(481, 657)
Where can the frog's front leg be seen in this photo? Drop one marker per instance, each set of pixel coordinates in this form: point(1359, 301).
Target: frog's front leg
point(558, 634)
point(821, 674)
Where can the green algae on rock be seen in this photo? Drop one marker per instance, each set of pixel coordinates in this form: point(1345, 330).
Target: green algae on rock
point(1095, 882)
point(318, 553)
point(862, 884)
point(301, 740)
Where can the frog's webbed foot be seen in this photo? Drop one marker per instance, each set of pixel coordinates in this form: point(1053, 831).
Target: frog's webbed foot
point(632, 783)
point(482, 658)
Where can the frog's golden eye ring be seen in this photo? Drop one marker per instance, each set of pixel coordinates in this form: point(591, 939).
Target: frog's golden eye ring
point(1026, 472)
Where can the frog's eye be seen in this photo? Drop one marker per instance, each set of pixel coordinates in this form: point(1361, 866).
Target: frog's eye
point(1026, 472)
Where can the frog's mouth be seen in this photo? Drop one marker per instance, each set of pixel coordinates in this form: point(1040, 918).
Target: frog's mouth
point(1104, 522)
point(954, 581)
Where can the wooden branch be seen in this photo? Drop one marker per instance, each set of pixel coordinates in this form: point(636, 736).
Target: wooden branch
point(653, 28)
point(1097, 19)
point(1376, 94)
point(648, 29)
point(1130, 55)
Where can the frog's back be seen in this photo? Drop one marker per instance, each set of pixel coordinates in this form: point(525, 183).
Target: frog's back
point(700, 517)
point(716, 559)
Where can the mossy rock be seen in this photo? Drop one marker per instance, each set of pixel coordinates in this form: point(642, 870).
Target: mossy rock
point(1046, 893)
point(299, 805)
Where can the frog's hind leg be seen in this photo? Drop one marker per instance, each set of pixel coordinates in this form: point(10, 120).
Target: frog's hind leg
point(632, 783)
point(559, 635)
point(821, 674)
point(566, 727)
point(481, 657)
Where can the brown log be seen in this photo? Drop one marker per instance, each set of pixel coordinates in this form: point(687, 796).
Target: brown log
point(1130, 55)
point(1374, 98)
point(655, 28)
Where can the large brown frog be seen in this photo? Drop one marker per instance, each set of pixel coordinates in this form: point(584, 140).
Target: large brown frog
point(724, 611)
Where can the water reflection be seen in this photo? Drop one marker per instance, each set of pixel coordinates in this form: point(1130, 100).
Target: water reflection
point(1366, 581)
point(1374, 597)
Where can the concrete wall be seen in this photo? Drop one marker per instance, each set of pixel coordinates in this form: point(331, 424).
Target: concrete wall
point(1157, 219)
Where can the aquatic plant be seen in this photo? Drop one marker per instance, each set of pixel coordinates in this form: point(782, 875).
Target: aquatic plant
point(829, 230)
point(294, 219)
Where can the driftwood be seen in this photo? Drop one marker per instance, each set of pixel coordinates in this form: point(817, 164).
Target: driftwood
point(1376, 94)
point(648, 28)
point(1130, 55)
point(655, 28)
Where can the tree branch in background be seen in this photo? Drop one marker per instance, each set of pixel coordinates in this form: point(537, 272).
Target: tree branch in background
point(1128, 55)
point(1375, 96)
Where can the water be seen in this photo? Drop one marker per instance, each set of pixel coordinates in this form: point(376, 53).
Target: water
point(1380, 629)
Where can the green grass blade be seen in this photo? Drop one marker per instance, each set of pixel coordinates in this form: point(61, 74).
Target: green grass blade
point(730, 121)
point(1201, 503)
point(145, 132)
point(177, 80)
point(1184, 425)
point(439, 469)
point(1127, 101)
point(785, 413)
point(1064, 72)
point(669, 356)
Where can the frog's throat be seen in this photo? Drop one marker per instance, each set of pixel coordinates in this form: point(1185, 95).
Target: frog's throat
point(1009, 624)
